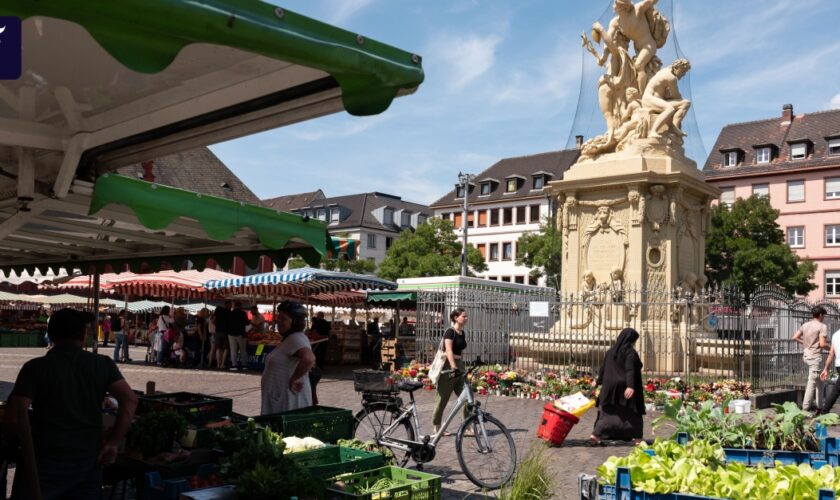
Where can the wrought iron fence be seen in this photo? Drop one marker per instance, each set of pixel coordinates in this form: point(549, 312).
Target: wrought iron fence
point(698, 334)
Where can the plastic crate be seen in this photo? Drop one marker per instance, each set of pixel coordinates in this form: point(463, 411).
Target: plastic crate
point(829, 455)
point(157, 488)
point(334, 460)
point(324, 423)
point(411, 485)
point(555, 424)
point(623, 490)
point(194, 407)
point(373, 381)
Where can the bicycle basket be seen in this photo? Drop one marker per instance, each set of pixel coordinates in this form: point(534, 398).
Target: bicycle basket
point(373, 381)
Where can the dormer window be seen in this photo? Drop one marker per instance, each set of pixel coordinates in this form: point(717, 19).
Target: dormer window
point(730, 159)
point(834, 147)
point(459, 192)
point(485, 188)
point(322, 214)
point(335, 215)
point(763, 154)
point(405, 219)
point(798, 150)
point(389, 217)
point(511, 185)
point(539, 182)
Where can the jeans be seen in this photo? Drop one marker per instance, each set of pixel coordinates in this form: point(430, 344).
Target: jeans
point(445, 387)
point(120, 341)
point(240, 344)
point(832, 394)
point(813, 384)
point(75, 476)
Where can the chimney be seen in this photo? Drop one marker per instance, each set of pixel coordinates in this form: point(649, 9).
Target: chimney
point(148, 175)
point(578, 141)
point(787, 113)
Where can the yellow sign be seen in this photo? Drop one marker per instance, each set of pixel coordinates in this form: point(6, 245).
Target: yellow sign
point(260, 349)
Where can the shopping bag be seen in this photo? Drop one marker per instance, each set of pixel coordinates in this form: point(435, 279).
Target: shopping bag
point(437, 364)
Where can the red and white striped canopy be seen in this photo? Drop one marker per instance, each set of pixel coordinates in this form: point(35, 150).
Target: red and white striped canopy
point(86, 281)
point(168, 284)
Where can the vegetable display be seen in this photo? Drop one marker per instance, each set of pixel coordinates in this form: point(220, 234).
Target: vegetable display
point(155, 433)
point(699, 468)
point(787, 428)
point(369, 445)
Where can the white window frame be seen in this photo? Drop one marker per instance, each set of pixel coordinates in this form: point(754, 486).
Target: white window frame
point(795, 184)
point(485, 188)
point(799, 151)
point(490, 252)
point(795, 236)
point(832, 235)
point(507, 244)
point(371, 240)
point(541, 179)
point(322, 214)
point(515, 185)
point(335, 215)
point(730, 159)
point(832, 283)
point(762, 190)
point(723, 191)
point(833, 144)
point(832, 188)
point(763, 155)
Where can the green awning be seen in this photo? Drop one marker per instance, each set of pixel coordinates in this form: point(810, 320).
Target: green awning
point(147, 35)
point(391, 296)
point(157, 206)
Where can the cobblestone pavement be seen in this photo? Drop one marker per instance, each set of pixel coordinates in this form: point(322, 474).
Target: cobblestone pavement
point(521, 416)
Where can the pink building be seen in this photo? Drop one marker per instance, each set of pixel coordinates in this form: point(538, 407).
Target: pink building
point(795, 160)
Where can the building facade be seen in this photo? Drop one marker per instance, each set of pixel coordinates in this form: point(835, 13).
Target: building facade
point(795, 161)
point(505, 201)
point(375, 220)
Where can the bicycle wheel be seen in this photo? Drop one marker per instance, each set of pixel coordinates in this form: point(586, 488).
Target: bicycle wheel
point(372, 421)
point(488, 457)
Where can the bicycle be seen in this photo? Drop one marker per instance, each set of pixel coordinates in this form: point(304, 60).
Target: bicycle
point(480, 440)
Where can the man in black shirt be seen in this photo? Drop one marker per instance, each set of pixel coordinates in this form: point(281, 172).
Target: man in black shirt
point(238, 322)
point(66, 388)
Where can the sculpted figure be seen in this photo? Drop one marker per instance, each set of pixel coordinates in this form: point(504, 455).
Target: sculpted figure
point(663, 96)
point(634, 119)
point(588, 287)
point(620, 73)
point(642, 24)
point(617, 284)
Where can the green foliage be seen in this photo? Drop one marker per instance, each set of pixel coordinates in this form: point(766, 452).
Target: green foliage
point(358, 266)
point(155, 432)
point(532, 481)
point(746, 248)
point(542, 252)
point(431, 250)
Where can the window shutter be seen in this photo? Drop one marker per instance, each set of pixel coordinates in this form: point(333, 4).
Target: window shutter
point(796, 191)
point(832, 188)
point(798, 150)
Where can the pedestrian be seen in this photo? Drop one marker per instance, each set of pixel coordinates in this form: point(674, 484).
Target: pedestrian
point(106, 330)
point(621, 402)
point(257, 320)
point(285, 384)
point(222, 319)
point(202, 321)
point(813, 335)
point(166, 335)
point(236, 336)
point(374, 338)
point(65, 389)
point(120, 329)
point(834, 389)
point(451, 379)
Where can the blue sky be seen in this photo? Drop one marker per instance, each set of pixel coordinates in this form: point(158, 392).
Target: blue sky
point(503, 79)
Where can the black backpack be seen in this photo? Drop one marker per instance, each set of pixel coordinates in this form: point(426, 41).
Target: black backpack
point(116, 324)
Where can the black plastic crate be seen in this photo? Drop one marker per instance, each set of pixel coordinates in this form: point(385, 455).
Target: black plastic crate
point(374, 381)
point(194, 407)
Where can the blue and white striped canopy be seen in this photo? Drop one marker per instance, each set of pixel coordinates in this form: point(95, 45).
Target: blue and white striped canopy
point(304, 281)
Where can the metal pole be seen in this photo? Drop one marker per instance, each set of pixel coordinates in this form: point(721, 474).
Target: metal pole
point(96, 311)
point(465, 185)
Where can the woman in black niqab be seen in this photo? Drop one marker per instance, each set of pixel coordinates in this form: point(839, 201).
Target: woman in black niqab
point(621, 401)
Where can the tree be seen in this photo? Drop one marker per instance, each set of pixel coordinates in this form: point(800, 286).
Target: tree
point(542, 253)
point(746, 248)
point(431, 250)
point(358, 266)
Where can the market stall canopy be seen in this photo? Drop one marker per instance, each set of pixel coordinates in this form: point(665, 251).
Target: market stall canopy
point(65, 299)
point(168, 284)
point(13, 301)
point(140, 306)
point(300, 282)
point(395, 296)
point(86, 281)
point(108, 83)
point(36, 277)
point(125, 223)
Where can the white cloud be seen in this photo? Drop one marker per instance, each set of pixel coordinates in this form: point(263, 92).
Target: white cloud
point(549, 79)
point(834, 102)
point(466, 57)
point(345, 9)
point(327, 131)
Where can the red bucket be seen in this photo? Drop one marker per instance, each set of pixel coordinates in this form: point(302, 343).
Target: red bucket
point(555, 425)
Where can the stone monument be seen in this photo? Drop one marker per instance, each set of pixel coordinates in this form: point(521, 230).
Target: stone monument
point(633, 210)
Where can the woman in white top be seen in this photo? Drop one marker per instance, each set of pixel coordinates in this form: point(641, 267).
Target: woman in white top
point(164, 323)
point(285, 384)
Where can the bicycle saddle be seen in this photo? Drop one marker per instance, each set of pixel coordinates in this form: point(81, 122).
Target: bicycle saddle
point(409, 385)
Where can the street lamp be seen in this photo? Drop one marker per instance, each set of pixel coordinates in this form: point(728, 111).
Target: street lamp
point(464, 180)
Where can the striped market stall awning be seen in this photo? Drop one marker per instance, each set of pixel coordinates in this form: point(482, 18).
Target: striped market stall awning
point(169, 284)
point(302, 283)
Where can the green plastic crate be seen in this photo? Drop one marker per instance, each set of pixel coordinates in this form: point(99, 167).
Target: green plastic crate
point(324, 423)
point(35, 339)
point(334, 460)
point(411, 485)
